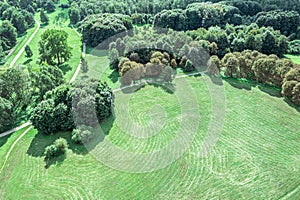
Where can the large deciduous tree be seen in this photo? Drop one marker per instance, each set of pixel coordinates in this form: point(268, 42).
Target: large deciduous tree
point(54, 47)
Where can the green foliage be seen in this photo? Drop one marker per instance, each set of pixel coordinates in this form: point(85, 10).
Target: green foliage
point(6, 115)
point(82, 134)
point(49, 6)
point(44, 18)
point(53, 46)
point(14, 86)
point(48, 78)
point(8, 35)
point(291, 86)
point(240, 38)
point(74, 15)
point(197, 15)
point(28, 51)
point(97, 28)
point(58, 148)
point(294, 47)
point(285, 21)
point(20, 18)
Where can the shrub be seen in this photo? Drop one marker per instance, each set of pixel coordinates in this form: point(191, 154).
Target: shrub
point(82, 135)
point(58, 148)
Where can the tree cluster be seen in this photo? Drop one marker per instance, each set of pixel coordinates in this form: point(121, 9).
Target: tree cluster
point(285, 21)
point(58, 148)
point(240, 38)
point(198, 15)
point(83, 103)
point(8, 38)
point(97, 28)
point(20, 18)
point(14, 95)
point(266, 69)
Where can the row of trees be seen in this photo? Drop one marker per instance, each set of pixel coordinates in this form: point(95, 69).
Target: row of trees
point(239, 38)
point(198, 15)
point(82, 103)
point(266, 69)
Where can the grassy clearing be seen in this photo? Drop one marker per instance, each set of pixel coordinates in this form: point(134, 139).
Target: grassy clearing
point(256, 156)
point(74, 41)
point(98, 67)
point(294, 58)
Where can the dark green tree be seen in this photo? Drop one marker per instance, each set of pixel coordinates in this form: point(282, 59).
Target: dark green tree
point(44, 18)
point(6, 115)
point(28, 51)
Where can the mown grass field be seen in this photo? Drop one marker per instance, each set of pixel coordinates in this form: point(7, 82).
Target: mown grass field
point(74, 41)
point(257, 155)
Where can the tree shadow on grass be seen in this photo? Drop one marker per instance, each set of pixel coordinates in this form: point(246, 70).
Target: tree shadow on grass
point(3, 140)
point(55, 160)
point(41, 141)
point(297, 108)
point(27, 61)
point(239, 84)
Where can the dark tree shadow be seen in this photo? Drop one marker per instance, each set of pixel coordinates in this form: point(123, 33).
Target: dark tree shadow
point(27, 61)
point(129, 89)
point(4, 139)
point(114, 76)
point(55, 160)
point(297, 108)
point(272, 91)
point(239, 84)
point(41, 141)
point(65, 67)
point(167, 87)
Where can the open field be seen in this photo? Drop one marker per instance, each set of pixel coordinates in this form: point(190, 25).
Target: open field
point(256, 156)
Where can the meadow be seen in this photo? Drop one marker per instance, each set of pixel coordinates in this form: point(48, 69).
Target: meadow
point(256, 155)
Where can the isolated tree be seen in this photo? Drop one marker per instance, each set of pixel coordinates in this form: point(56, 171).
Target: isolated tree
point(28, 51)
point(44, 17)
point(54, 47)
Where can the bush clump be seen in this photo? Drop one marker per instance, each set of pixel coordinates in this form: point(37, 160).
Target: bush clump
point(58, 148)
point(83, 134)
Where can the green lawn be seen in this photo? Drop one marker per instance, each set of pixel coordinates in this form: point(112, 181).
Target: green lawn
point(6, 142)
point(294, 58)
point(74, 41)
point(257, 155)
